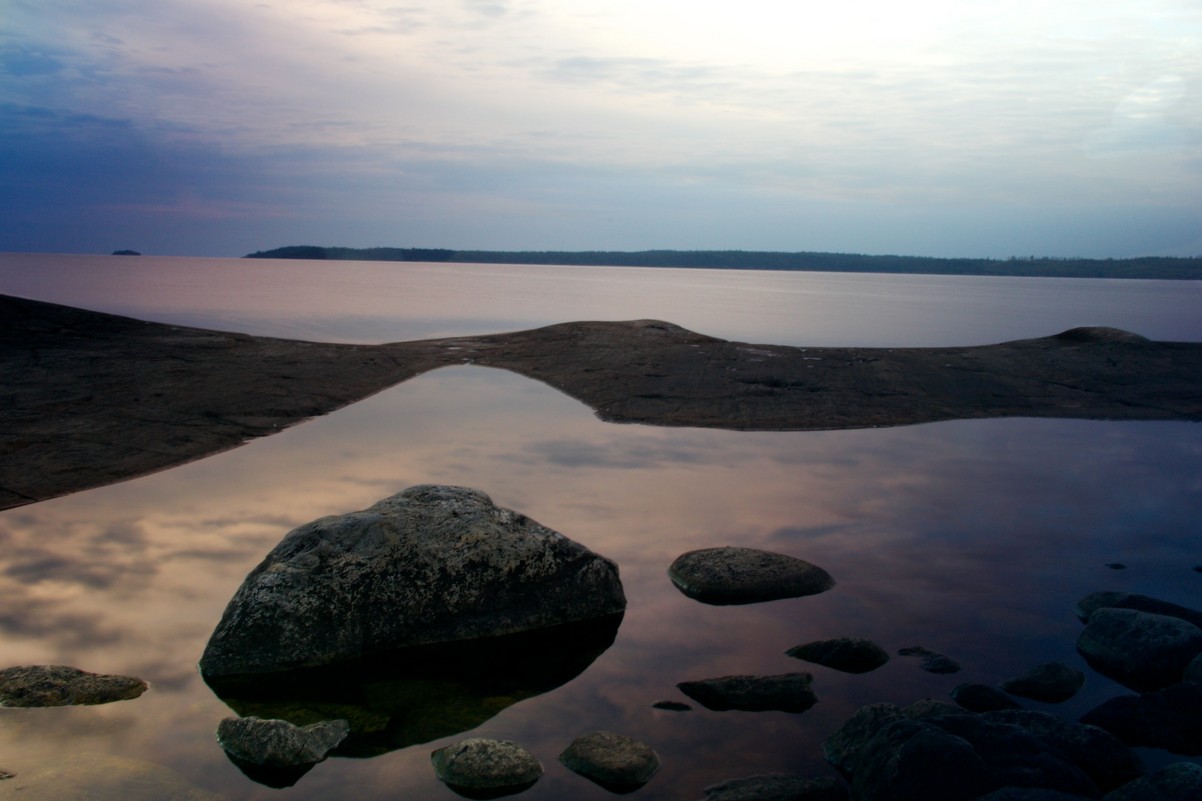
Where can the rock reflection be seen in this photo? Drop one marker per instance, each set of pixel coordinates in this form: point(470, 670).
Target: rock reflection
point(421, 694)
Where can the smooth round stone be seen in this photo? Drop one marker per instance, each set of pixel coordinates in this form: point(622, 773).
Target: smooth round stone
point(614, 761)
point(483, 768)
point(735, 575)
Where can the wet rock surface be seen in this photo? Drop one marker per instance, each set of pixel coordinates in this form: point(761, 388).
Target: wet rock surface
point(848, 654)
point(789, 692)
point(1141, 603)
point(1140, 650)
point(1050, 682)
point(618, 763)
point(277, 742)
point(1181, 781)
point(734, 575)
point(194, 392)
point(432, 564)
point(485, 768)
point(777, 787)
point(1170, 719)
point(62, 685)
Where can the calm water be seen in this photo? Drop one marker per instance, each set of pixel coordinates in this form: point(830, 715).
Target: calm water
point(971, 538)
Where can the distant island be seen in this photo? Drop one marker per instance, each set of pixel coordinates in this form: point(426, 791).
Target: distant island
point(1142, 267)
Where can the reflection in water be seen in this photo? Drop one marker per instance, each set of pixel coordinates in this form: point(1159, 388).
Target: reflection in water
point(972, 538)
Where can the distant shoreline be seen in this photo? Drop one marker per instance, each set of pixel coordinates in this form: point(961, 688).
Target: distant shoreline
point(1157, 267)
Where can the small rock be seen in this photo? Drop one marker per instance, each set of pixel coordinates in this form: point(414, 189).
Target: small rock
point(6, 774)
point(1170, 719)
point(789, 692)
point(1051, 682)
point(62, 685)
point(982, 698)
point(734, 575)
point(672, 706)
point(1181, 781)
point(932, 661)
point(849, 654)
point(1140, 603)
point(278, 743)
point(618, 763)
point(1140, 650)
point(777, 787)
point(483, 768)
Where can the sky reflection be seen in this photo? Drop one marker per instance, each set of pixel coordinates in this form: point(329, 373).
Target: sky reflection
point(972, 538)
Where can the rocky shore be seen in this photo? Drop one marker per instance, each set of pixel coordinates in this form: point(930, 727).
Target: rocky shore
point(91, 398)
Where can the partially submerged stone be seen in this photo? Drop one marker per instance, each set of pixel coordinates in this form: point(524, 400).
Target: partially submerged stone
point(736, 575)
point(479, 767)
point(789, 692)
point(432, 564)
point(278, 742)
point(777, 787)
point(848, 654)
point(614, 761)
point(62, 685)
point(1050, 682)
point(932, 661)
point(1140, 650)
point(1132, 600)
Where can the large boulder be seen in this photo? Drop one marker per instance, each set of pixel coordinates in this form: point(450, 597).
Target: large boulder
point(1170, 718)
point(1140, 650)
point(432, 564)
point(1110, 599)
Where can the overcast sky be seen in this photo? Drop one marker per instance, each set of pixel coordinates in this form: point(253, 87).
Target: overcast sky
point(934, 127)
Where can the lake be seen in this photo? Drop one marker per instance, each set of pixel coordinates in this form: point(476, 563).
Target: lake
point(972, 538)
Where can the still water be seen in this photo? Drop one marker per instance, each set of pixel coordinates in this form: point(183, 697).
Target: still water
point(971, 538)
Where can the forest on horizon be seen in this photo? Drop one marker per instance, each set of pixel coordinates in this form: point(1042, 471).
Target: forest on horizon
point(1160, 267)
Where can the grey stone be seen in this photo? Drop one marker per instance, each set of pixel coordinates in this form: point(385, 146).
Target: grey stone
point(932, 661)
point(789, 692)
point(432, 564)
point(482, 767)
point(733, 575)
point(1170, 719)
point(848, 654)
point(843, 744)
point(1141, 603)
point(279, 743)
point(777, 787)
point(614, 761)
point(1140, 650)
point(1104, 758)
point(62, 685)
point(982, 698)
point(1181, 781)
point(1050, 682)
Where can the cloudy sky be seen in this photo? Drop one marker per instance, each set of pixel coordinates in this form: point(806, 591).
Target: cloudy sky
point(935, 127)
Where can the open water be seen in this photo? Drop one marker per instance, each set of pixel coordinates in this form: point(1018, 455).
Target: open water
point(971, 538)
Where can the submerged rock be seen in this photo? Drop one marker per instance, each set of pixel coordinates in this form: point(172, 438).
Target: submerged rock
point(789, 692)
point(1140, 650)
point(618, 763)
point(777, 787)
point(848, 654)
point(1170, 719)
point(432, 564)
point(1050, 682)
point(932, 661)
point(482, 768)
point(733, 575)
point(62, 685)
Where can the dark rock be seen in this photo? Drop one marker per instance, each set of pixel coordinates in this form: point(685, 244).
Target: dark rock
point(421, 694)
point(1030, 794)
point(1193, 671)
point(777, 787)
point(931, 707)
point(1181, 781)
point(982, 698)
point(733, 575)
point(1170, 719)
point(1116, 566)
point(1050, 682)
point(672, 706)
point(618, 763)
point(849, 654)
point(62, 685)
point(1140, 650)
point(907, 760)
point(1141, 603)
point(432, 564)
point(278, 742)
point(483, 768)
point(789, 692)
point(1103, 757)
point(932, 661)
point(842, 746)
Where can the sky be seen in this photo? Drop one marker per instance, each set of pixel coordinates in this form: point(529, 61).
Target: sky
point(935, 128)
